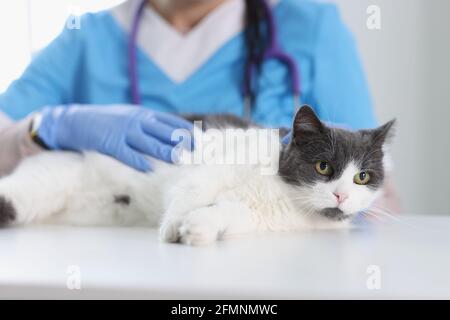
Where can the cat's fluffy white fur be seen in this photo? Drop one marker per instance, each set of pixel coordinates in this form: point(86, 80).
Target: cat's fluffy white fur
point(194, 204)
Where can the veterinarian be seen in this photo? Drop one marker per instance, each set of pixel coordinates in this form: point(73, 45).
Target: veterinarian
point(115, 84)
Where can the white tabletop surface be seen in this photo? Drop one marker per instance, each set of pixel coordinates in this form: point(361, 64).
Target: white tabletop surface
point(412, 256)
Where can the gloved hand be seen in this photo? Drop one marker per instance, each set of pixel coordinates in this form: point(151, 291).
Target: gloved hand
point(125, 132)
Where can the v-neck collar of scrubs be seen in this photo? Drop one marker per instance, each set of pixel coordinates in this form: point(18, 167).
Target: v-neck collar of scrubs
point(179, 55)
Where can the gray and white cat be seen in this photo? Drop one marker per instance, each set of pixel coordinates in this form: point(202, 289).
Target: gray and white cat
point(325, 176)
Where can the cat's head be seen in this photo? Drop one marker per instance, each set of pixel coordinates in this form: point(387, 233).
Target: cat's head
point(334, 173)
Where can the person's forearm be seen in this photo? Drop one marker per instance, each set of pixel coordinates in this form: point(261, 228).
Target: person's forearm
point(15, 144)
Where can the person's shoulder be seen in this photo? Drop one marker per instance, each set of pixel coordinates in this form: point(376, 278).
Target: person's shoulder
point(310, 11)
point(92, 26)
point(90, 22)
point(100, 19)
point(304, 20)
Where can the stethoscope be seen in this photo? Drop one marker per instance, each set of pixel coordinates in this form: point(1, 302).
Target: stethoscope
point(273, 51)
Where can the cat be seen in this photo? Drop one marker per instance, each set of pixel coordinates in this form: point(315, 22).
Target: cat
point(324, 177)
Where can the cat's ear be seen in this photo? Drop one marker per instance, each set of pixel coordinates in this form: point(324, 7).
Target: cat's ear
point(306, 121)
point(384, 134)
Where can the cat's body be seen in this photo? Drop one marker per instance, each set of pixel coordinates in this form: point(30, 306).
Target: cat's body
point(195, 203)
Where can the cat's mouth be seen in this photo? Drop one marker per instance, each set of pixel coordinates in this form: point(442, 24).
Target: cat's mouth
point(335, 214)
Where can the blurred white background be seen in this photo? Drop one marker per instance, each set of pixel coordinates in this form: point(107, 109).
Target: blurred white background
point(407, 64)
point(28, 25)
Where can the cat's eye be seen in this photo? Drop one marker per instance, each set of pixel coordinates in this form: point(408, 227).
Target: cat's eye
point(361, 178)
point(324, 168)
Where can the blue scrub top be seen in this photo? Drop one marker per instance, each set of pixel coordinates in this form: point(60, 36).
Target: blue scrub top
point(90, 66)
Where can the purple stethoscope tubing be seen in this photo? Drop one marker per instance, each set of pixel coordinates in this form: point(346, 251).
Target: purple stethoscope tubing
point(272, 52)
point(132, 55)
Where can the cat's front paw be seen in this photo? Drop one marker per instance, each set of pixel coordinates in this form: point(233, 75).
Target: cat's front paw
point(197, 227)
point(7, 212)
point(200, 227)
point(169, 231)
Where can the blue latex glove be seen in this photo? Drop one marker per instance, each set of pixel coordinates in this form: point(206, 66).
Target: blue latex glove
point(125, 132)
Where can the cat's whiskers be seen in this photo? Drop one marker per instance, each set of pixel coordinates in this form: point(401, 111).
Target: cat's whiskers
point(309, 211)
point(371, 214)
point(300, 198)
point(376, 211)
point(385, 212)
point(378, 206)
point(306, 203)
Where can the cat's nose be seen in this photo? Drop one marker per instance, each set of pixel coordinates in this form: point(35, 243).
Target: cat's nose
point(340, 196)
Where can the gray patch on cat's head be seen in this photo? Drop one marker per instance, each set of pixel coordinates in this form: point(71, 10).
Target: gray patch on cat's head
point(313, 141)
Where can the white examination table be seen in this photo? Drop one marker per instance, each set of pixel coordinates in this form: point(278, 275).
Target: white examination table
point(409, 258)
